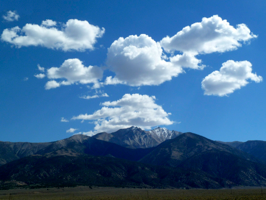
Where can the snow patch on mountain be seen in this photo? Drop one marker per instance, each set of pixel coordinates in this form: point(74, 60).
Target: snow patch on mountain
point(163, 133)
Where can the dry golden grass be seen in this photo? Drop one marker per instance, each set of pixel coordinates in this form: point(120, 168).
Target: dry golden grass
point(85, 193)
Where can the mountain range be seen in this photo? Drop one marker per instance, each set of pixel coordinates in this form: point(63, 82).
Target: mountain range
point(133, 157)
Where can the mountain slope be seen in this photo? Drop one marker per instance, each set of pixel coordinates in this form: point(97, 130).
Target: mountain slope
point(10, 151)
point(53, 170)
point(255, 148)
point(194, 152)
point(232, 144)
point(78, 143)
point(172, 152)
point(235, 169)
point(88, 145)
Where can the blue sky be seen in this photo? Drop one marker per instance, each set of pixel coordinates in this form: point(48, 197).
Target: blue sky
point(70, 67)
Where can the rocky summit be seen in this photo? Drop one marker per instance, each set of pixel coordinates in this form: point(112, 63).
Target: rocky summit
point(135, 137)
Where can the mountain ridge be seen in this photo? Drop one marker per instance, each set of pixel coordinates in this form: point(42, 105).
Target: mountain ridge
point(134, 137)
point(205, 163)
point(187, 145)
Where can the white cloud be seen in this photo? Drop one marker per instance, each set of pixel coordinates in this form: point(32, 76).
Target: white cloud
point(48, 23)
point(64, 120)
point(11, 16)
point(95, 96)
point(232, 75)
point(130, 110)
point(187, 60)
point(40, 76)
point(40, 68)
point(137, 60)
point(210, 35)
point(51, 84)
point(113, 81)
point(71, 130)
point(89, 133)
point(74, 35)
point(74, 72)
point(26, 79)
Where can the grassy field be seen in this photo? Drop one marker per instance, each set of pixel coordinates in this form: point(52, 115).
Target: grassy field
point(85, 193)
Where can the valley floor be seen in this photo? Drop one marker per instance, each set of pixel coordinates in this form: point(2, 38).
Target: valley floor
point(85, 193)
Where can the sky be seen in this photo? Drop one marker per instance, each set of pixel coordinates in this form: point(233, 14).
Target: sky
point(84, 67)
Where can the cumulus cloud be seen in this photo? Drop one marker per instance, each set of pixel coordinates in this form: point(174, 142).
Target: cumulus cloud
point(64, 120)
point(74, 35)
point(11, 16)
point(74, 72)
point(232, 75)
point(212, 34)
point(137, 60)
point(48, 23)
point(130, 110)
point(40, 76)
point(71, 130)
point(51, 84)
point(95, 96)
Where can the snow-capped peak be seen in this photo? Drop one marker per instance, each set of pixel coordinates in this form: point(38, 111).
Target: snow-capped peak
point(163, 133)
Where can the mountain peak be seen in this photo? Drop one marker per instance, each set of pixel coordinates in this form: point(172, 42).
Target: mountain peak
point(134, 128)
point(163, 134)
point(161, 128)
point(135, 137)
point(79, 137)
